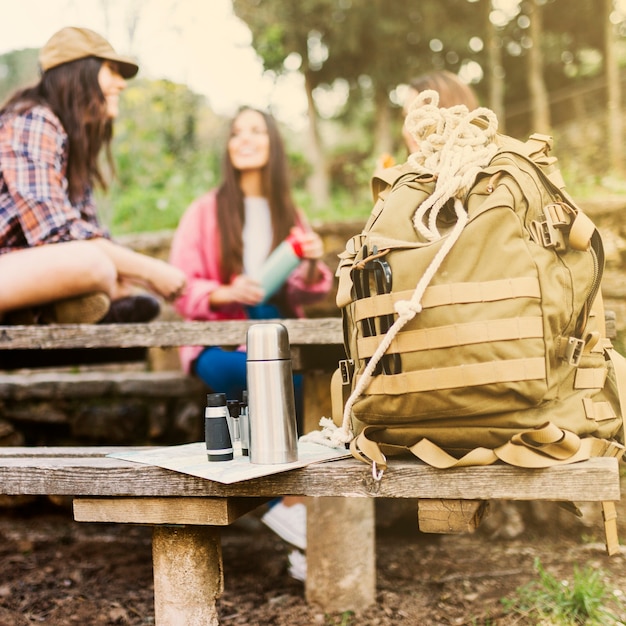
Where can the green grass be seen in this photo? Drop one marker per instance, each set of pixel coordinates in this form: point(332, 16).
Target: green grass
point(586, 599)
point(345, 619)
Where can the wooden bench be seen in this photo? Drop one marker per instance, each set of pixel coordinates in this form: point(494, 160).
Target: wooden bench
point(186, 513)
point(317, 345)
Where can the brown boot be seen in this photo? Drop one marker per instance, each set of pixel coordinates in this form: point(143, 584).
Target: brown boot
point(87, 309)
point(132, 310)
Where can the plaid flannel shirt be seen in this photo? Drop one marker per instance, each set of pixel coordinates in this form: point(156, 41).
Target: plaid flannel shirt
point(35, 207)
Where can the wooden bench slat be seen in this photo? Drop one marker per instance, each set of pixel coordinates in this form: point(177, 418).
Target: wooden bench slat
point(40, 452)
point(316, 331)
point(184, 510)
point(597, 478)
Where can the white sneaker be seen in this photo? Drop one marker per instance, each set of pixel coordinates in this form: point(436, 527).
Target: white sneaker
point(297, 565)
point(288, 522)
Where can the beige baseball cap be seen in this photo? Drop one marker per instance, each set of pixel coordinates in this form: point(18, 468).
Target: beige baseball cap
point(71, 43)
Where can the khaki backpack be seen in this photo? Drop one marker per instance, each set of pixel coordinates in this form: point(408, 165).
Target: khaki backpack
point(471, 305)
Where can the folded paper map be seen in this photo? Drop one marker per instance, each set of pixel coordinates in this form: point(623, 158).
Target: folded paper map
point(191, 458)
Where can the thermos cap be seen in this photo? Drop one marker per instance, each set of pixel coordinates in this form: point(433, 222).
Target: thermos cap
point(267, 342)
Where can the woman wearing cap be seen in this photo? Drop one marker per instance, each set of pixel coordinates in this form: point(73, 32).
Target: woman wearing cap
point(57, 263)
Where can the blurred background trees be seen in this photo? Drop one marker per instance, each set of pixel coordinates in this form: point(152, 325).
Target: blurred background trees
point(553, 66)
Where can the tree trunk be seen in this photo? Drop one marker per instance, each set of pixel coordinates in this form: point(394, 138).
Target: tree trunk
point(495, 69)
point(536, 86)
point(383, 140)
point(319, 182)
point(614, 96)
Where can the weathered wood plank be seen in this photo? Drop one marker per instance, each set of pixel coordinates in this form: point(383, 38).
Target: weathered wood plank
point(54, 384)
point(197, 511)
point(450, 516)
point(326, 331)
point(42, 452)
point(318, 331)
point(597, 479)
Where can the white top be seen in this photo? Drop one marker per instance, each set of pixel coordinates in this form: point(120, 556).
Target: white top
point(257, 234)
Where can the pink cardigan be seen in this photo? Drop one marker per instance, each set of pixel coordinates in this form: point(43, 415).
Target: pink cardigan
point(195, 250)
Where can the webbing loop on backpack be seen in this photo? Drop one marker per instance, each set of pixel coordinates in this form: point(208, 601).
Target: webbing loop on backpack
point(462, 334)
point(541, 447)
point(619, 365)
point(453, 293)
point(366, 450)
point(457, 377)
point(609, 515)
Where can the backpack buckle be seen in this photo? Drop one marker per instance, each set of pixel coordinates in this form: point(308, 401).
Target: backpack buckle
point(346, 368)
point(556, 218)
point(573, 351)
point(546, 233)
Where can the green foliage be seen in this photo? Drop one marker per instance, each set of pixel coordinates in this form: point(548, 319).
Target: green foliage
point(342, 207)
point(619, 343)
point(551, 601)
point(17, 70)
point(344, 619)
point(167, 150)
point(168, 142)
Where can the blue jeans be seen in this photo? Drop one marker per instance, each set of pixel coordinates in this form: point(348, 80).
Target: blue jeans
point(224, 371)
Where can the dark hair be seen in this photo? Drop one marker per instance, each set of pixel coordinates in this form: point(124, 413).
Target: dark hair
point(451, 89)
point(72, 92)
point(230, 204)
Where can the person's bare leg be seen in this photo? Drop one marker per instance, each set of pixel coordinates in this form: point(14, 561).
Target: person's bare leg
point(47, 273)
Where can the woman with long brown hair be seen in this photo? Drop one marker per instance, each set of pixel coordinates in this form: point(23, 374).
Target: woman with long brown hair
point(222, 243)
point(57, 262)
point(226, 235)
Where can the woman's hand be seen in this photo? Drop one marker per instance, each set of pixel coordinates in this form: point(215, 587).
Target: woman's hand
point(311, 242)
point(242, 290)
point(155, 275)
point(166, 280)
point(312, 251)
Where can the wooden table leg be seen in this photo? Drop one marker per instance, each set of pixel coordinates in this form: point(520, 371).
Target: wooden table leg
point(188, 575)
point(341, 553)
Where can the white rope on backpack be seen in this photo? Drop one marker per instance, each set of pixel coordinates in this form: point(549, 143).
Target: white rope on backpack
point(454, 144)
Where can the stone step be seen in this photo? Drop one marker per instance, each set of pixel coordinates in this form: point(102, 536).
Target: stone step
point(54, 384)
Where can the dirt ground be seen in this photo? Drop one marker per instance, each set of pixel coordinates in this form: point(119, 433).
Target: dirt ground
point(56, 571)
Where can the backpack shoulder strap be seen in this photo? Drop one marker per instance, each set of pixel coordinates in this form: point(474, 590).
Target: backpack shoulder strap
point(537, 149)
point(384, 178)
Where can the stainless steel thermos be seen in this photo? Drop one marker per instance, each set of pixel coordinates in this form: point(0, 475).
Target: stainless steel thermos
point(271, 401)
